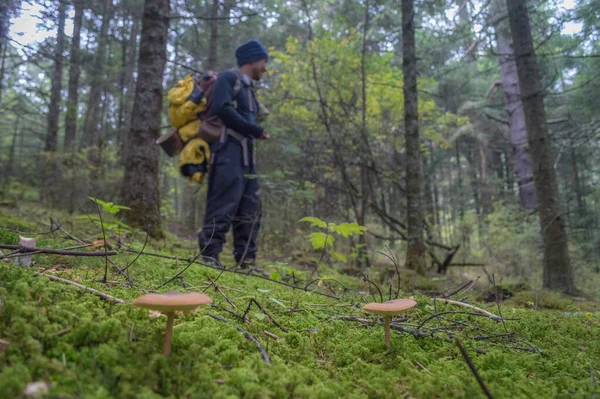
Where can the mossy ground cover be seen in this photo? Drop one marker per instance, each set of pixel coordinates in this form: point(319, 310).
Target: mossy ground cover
point(90, 348)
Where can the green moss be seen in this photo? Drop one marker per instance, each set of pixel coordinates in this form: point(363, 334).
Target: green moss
point(89, 348)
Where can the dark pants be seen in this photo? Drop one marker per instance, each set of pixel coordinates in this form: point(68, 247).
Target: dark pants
point(232, 200)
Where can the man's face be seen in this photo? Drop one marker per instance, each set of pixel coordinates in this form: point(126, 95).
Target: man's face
point(258, 69)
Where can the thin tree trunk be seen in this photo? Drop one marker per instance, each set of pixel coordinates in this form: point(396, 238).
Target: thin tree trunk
point(521, 157)
point(415, 254)
point(140, 185)
point(13, 148)
point(577, 183)
point(3, 48)
point(558, 274)
point(54, 108)
point(74, 73)
point(92, 131)
point(214, 36)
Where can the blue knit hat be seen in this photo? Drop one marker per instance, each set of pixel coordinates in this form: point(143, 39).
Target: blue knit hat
point(250, 52)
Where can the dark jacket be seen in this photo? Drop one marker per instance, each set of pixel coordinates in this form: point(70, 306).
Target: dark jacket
point(243, 118)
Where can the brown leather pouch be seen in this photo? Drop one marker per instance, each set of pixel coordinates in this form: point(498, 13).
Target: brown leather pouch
point(211, 129)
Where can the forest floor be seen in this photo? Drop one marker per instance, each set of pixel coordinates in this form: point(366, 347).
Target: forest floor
point(71, 343)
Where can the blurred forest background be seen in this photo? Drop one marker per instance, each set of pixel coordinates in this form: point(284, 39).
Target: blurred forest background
point(439, 132)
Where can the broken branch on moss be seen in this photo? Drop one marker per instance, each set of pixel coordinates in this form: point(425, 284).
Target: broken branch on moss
point(83, 287)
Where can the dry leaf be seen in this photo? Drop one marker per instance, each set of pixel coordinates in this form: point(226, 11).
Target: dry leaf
point(98, 243)
point(3, 345)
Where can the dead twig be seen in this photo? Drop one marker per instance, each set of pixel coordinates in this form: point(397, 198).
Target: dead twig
point(464, 287)
point(218, 289)
point(498, 302)
point(271, 319)
point(427, 320)
point(472, 367)
point(62, 332)
point(466, 305)
point(83, 287)
point(486, 337)
point(246, 334)
point(51, 251)
point(366, 279)
point(271, 335)
point(105, 244)
point(194, 260)
point(65, 232)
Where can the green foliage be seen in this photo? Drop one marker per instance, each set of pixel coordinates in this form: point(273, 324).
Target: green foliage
point(115, 226)
point(109, 206)
point(322, 240)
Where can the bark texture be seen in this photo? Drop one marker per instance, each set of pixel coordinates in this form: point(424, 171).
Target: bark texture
point(140, 186)
point(415, 254)
point(558, 274)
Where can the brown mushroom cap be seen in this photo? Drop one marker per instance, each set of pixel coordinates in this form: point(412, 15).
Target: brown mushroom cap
point(172, 301)
point(389, 308)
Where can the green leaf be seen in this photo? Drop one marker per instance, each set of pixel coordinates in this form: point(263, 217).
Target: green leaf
point(275, 276)
point(348, 229)
point(278, 302)
point(318, 240)
point(314, 221)
point(338, 256)
point(259, 316)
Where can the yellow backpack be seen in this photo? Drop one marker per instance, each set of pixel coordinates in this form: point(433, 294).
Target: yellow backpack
point(189, 104)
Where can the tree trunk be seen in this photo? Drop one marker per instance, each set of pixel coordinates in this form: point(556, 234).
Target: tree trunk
point(129, 87)
point(74, 73)
point(415, 254)
point(54, 108)
point(214, 36)
point(514, 109)
point(92, 131)
point(140, 186)
point(558, 274)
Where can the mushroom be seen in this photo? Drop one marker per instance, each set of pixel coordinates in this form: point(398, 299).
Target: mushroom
point(389, 309)
point(169, 303)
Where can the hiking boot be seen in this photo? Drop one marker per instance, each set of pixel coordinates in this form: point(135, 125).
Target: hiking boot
point(212, 261)
point(249, 265)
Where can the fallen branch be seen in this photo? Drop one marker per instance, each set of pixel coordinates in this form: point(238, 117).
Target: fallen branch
point(472, 367)
point(466, 305)
point(83, 287)
point(246, 334)
point(21, 248)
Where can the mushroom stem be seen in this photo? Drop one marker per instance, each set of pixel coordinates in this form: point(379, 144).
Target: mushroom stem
point(388, 319)
point(168, 333)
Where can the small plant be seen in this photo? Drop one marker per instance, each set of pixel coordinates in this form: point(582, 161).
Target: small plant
point(113, 226)
point(325, 238)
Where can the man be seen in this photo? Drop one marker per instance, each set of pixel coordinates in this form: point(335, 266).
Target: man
point(233, 196)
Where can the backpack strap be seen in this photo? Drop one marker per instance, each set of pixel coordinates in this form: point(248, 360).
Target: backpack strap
point(238, 82)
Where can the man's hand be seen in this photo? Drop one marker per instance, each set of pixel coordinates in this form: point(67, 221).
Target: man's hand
point(264, 135)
